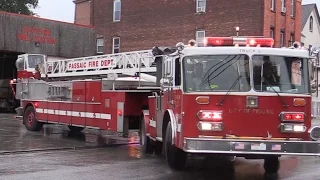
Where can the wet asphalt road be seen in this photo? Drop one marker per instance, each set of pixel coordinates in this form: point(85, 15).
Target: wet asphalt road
point(54, 153)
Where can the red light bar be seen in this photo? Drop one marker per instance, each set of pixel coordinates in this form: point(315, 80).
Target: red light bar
point(219, 41)
point(262, 42)
point(239, 41)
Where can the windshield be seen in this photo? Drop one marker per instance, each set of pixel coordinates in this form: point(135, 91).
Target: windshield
point(216, 73)
point(281, 74)
point(34, 60)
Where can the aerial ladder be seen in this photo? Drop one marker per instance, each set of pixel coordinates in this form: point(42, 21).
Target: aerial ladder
point(112, 65)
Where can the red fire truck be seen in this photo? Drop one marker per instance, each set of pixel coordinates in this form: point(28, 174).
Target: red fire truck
point(237, 96)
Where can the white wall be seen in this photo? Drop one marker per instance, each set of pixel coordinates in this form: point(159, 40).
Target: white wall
point(312, 38)
point(53, 58)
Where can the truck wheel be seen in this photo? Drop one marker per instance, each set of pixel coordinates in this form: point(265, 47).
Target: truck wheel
point(271, 165)
point(75, 129)
point(30, 120)
point(145, 141)
point(175, 157)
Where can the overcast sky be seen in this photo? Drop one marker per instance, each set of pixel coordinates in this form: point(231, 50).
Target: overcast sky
point(63, 10)
point(312, 1)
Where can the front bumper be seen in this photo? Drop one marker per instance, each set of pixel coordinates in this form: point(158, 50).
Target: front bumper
point(259, 147)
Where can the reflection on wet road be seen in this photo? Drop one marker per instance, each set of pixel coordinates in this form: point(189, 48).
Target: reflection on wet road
point(54, 153)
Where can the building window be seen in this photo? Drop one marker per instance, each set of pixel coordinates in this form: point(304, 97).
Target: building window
point(272, 5)
point(200, 35)
point(272, 33)
point(291, 39)
point(116, 45)
point(283, 6)
point(311, 24)
point(116, 10)
point(201, 6)
point(100, 44)
point(293, 7)
point(282, 39)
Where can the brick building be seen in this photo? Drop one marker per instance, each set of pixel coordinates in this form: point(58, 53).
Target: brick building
point(126, 25)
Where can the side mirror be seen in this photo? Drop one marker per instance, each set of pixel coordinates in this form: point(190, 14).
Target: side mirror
point(168, 68)
point(315, 53)
point(314, 87)
point(311, 69)
point(165, 82)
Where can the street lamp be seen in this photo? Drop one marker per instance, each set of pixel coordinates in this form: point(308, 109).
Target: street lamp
point(237, 29)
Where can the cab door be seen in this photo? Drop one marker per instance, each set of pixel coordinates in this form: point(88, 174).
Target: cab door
point(177, 99)
point(164, 98)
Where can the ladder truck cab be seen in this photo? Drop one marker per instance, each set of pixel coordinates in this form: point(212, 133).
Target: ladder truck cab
point(237, 96)
point(27, 65)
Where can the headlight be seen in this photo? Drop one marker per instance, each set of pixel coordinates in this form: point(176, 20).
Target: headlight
point(210, 126)
point(293, 128)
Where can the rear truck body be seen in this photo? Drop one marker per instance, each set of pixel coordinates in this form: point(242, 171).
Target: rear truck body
point(83, 92)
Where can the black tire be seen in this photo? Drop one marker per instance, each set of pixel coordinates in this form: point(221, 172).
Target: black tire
point(75, 129)
point(271, 165)
point(145, 141)
point(175, 157)
point(30, 121)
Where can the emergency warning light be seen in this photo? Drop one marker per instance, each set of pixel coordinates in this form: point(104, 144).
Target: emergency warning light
point(219, 41)
point(239, 41)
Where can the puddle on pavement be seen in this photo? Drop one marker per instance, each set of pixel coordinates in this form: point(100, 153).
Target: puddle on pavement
point(92, 137)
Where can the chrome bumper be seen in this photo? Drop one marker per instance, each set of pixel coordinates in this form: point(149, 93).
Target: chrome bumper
point(262, 147)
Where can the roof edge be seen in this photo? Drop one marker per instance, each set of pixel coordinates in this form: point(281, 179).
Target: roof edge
point(79, 1)
point(315, 7)
point(51, 20)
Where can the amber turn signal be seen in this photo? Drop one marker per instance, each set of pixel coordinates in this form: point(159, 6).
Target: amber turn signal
point(299, 102)
point(202, 100)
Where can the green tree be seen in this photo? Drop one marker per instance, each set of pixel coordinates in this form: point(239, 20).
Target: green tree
point(19, 6)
